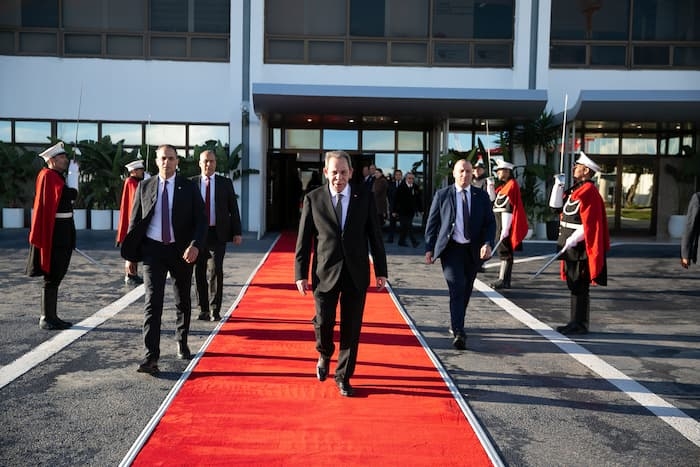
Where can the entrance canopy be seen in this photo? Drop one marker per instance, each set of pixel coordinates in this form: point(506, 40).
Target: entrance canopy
point(635, 106)
point(426, 103)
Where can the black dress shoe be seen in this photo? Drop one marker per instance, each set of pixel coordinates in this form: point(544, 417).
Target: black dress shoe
point(215, 316)
point(572, 328)
point(322, 368)
point(203, 316)
point(183, 352)
point(345, 389)
point(53, 324)
point(459, 342)
point(149, 366)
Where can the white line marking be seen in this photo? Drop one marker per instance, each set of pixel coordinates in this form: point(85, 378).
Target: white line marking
point(466, 410)
point(43, 351)
point(679, 420)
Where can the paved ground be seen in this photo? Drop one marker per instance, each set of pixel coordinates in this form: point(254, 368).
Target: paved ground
point(543, 400)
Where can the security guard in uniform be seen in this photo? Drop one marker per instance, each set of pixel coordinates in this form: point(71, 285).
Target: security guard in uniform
point(52, 233)
point(583, 240)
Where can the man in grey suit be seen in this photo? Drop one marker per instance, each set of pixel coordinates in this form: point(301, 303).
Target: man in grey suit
point(689, 241)
point(166, 232)
point(224, 221)
point(460, 230)
point(340, 224)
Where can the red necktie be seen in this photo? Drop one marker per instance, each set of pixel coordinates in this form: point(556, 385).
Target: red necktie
point(165, 214)
point(207, 199)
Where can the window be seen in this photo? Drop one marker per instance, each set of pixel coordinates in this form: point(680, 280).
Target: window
point(67, 131)
point(5, 131)
point(340, 139)
point(390, 32)
point(180, 29)
point(200, 134)
point(625, 34)
point(32, 132)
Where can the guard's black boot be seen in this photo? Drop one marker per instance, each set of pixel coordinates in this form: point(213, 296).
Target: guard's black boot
point(578, 324)
point(503, 281)
point(49, 303)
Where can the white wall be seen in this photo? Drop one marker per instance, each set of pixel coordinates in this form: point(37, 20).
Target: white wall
point(114, 89)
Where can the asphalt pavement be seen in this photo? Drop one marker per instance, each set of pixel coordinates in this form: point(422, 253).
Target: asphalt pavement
point(627, 393)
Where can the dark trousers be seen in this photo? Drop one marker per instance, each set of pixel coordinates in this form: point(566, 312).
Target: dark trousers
point(406, 225)
point(209, 274)
point(578, 277)
point(459, 269)
point(352, 304)
point(158, 260)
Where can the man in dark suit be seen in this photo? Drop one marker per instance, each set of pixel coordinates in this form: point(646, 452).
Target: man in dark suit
point(460, 231)
point(224, 221)
point(689, 241)
point(391, 196)
point(339, 223)
point(407, 203)
point(166, 232)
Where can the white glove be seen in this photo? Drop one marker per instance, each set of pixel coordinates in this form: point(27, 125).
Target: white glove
point(556, 198)
point(490, 189)
point(506, 221)
point(73, 175)
point(574, 239)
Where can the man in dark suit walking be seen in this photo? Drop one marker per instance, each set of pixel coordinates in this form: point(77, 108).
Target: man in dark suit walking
point(460, 231)
point(340, 224)
point(224, 221)
point(166, 232)
point(691, 233)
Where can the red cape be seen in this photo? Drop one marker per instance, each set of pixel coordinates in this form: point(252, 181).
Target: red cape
point(518, 229)
point(128, 191)
point(595, 228)
point(49, 185)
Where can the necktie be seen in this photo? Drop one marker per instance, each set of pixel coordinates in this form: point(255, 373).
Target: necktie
point(339, 210)
point(207, 199)
point(165, 214)
point(465, 215)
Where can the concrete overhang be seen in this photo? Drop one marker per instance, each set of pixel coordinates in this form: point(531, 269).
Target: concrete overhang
point(426, 102)
point(636, 106)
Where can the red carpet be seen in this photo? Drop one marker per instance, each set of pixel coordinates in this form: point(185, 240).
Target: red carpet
point(253, 398)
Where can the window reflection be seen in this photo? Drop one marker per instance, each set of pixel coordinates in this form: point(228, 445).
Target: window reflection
point(641, 144)
point(602, 143)
point(32, 132)
point(129, 132)
point(157, 134)
point(5, 131)
point(410, 140)
point(340, 139)
point(377, 140)
point(199, 134)
point(66, 131)
point(302, 139)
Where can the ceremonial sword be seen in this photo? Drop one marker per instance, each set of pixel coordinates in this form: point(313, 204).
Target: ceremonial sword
point(90, 259)
point(548, 263)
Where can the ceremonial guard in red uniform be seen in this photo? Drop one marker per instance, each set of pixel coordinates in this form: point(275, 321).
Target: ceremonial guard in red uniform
point(136, 173)
point(584, 239)
point(511, 222)
point(52, 233)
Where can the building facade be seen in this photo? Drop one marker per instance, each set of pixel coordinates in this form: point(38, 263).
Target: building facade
point(394, 82)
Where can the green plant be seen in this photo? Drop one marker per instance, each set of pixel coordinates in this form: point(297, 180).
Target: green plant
point(446, 163)
point(20, 167)
point(226, 162)
point(686, 175)
point(101, 172)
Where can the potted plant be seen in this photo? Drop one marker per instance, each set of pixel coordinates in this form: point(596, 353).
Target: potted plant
point(685, 175)
point(101, 171)
point(17, 178)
